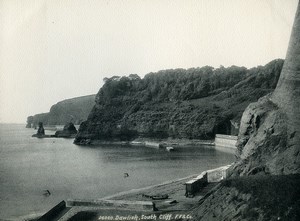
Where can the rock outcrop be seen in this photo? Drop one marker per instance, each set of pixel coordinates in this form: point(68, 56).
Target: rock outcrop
point(269, 137)
point(263, 144)
point(287, 92)
point(193, 104)
point(266, 176)
point(40, 132)
point(69, 131)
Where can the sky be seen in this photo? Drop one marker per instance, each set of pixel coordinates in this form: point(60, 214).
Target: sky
point(58, 49)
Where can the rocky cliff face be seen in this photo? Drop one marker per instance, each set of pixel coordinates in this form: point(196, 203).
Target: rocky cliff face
point(264, 143)
point(265, 180)
point(258, 197)
point(29, 122)
point(269, 137)
point(193, 103)
point(287, 92)
point(73, 110)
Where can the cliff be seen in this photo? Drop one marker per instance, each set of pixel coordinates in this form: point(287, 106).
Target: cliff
point(265, 142)
point(265, 179)
point(73, 110)
point(195, 103)
point(269, 138)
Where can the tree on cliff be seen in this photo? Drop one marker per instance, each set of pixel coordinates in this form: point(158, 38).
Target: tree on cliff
point(196, 103)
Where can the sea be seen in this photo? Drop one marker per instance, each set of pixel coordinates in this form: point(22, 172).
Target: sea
point(29, 166)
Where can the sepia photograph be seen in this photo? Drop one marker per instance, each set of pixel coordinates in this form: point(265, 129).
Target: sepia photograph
point(143, 110)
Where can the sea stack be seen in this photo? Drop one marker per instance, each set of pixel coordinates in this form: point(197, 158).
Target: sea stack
point(269, 136)
point(40, 132)
point(69, 131)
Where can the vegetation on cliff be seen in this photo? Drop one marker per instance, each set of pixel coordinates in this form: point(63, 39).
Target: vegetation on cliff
point(73, 110)
point(195, 103)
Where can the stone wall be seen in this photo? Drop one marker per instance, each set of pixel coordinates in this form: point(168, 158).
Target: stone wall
point(225, 141)
point(209, 176)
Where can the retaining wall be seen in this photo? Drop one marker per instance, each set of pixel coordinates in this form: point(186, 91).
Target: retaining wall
point(218, 174)
point(152, 144)
point(225, 141)
point(209, 176)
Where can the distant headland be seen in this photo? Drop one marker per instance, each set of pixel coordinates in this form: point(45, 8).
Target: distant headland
point(73, 110)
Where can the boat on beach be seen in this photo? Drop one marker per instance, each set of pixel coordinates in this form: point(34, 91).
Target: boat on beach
point(157, 197)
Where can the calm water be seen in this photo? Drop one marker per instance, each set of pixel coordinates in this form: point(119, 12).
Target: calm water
point(28, 166)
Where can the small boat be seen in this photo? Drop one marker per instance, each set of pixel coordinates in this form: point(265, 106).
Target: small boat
point(157, 197)
point(160, 197)
point(170, 149)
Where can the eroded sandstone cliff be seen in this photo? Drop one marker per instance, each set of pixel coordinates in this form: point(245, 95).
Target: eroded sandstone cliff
point(265, 180)
point(194, 103)
point(269, 138)
point(265, 143)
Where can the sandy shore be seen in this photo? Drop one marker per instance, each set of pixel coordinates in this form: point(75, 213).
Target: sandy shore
point(170, 184)
point(176, 201)
point(175, 189)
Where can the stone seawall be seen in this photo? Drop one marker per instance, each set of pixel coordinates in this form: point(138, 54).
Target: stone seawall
point(209, 176)
point(225, 141)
